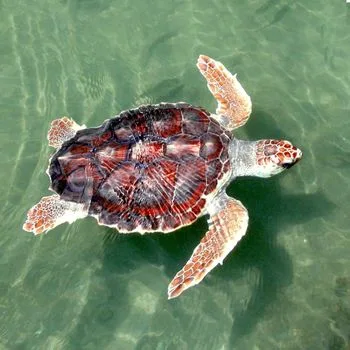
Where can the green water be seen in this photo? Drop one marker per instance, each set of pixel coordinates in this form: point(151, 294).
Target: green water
point(287, 285)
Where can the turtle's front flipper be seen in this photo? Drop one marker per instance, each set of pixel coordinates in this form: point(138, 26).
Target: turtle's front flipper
point(51, 212)
point(62, 130)
point(227, 225)
point(234, 104)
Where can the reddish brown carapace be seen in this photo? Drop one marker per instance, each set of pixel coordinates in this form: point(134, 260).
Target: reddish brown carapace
point(148, 169)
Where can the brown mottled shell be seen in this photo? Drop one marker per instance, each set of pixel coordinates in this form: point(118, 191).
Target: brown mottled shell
point(148, 169)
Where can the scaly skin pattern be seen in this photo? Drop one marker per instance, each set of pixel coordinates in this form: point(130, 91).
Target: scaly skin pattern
point(227, 226)
point(233, 102)
point(62, 129)
point(278, 151)
point(50, 212)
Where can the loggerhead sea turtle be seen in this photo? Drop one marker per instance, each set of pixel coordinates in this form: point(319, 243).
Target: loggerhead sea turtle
point(159, 168)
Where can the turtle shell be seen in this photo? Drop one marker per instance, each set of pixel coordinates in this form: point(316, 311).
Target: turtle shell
point(147, 169)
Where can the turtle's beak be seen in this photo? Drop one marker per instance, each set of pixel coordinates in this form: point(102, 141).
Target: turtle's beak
point(288, 165)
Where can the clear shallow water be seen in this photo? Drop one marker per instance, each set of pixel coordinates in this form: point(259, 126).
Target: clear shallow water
point(287, 285)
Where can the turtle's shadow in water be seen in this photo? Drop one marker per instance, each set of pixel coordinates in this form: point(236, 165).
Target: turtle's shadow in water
point(269, 209)
point(260, 251)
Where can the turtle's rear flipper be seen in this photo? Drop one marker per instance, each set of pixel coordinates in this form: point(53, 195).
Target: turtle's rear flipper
point(62, 130)
point(227, 225)
point(51, 212)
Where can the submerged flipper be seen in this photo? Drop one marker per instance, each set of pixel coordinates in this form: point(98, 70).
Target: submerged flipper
point(62, 130)
point(50, 212)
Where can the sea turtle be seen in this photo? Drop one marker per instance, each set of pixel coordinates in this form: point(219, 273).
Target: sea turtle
point(159, 168)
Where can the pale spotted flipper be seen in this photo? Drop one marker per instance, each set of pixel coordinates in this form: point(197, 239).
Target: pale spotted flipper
point(62, 130)
point(50, 212)
point(234, 104)
point(227, 225)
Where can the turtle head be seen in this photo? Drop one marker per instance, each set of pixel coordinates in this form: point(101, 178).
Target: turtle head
point(274, 156)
